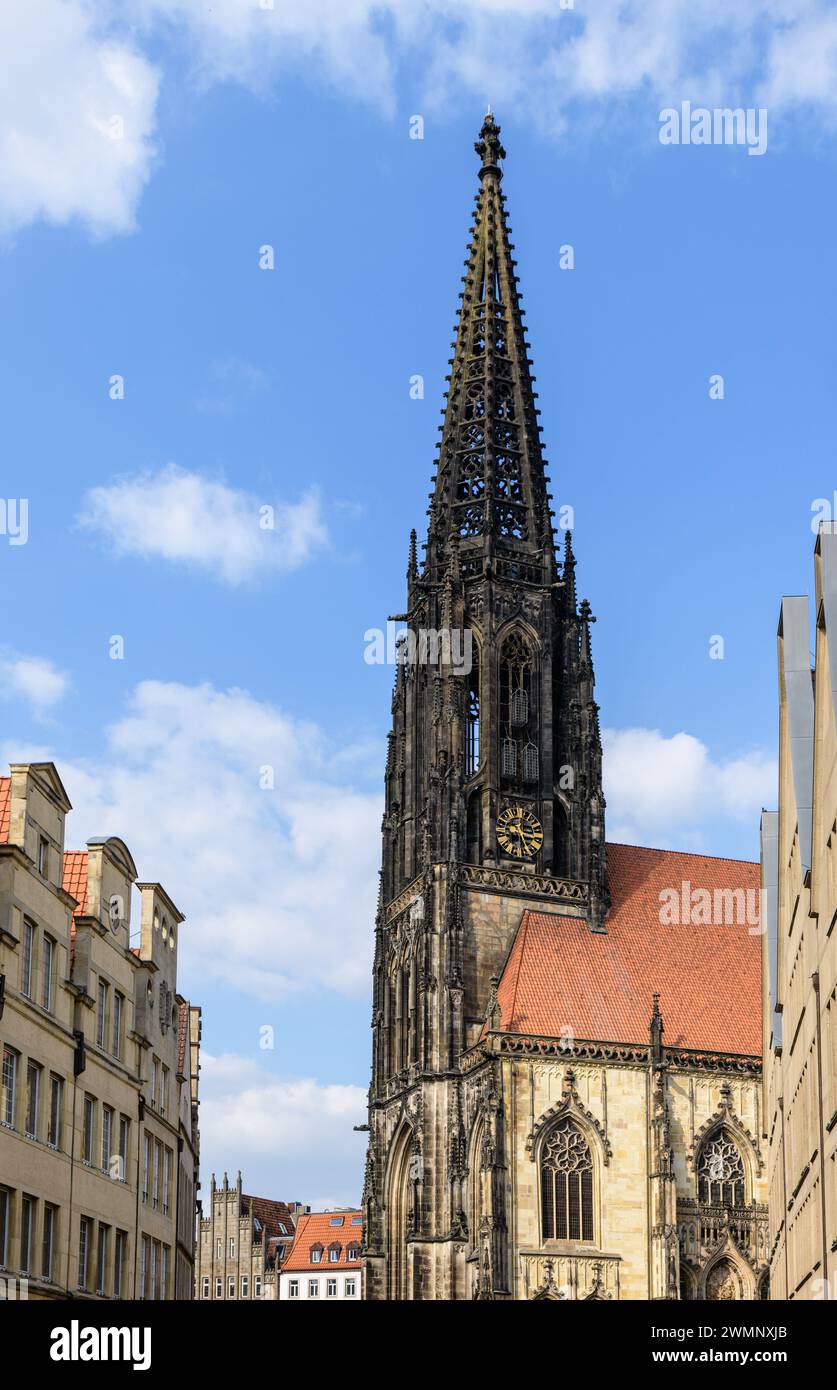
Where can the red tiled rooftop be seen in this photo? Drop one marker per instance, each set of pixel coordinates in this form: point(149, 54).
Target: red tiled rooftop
point(316, 1229)
point(75, 877)
point(5, 808)
point(561, 979)
point(270, 1214)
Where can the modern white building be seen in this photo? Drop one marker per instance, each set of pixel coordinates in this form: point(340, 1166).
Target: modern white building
point(324, 1261)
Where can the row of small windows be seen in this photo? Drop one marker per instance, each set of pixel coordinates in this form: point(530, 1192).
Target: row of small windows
point(102, 1252)
point(38, 1109)
point(333, 1253)
point(349, 1288)
point(244, 1286)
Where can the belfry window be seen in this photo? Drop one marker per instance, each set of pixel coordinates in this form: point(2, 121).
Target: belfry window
point(566, 1184)
point(721, 1172)
point(472, 726)
point(518, 753)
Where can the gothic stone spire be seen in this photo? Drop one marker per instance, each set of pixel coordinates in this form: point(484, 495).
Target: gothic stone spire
point(491, 483)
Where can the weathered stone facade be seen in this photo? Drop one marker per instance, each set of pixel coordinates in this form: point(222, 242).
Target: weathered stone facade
point(99, 1089)
point(503, 1163)
point(241, 1243)
point(799, 881)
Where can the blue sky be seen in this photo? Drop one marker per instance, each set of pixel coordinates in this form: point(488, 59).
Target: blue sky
point(289, 388)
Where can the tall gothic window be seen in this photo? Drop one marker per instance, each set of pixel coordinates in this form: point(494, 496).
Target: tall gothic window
point(472, 716)
point(518, 754)
point(721, 1172)
point(567, 1184)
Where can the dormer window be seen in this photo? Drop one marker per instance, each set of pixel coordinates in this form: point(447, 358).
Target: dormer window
point(316, 1254)
point(334, 1254)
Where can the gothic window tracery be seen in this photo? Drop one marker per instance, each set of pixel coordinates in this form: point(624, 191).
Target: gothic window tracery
point(472, 725)
point(519, 754)
point(566, 1184)
point(720, 1171)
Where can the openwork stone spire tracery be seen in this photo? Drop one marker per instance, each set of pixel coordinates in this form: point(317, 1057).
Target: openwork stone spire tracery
point(491, 483)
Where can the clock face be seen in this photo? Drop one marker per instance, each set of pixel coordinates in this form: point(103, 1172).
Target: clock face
point(519, 833)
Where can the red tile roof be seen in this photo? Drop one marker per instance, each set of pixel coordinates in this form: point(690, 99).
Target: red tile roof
point(75, 877)
point(316, 1229)
point(269, 1213)
point(5, 808)
point(562, 980)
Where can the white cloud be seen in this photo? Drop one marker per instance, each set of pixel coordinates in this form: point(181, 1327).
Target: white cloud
point(34, 678)
point(278, 886)
point(181, 516)
point(65, 85)
point(68, 66)
point(669, 791)
point(534, 55)
point(296, 1130)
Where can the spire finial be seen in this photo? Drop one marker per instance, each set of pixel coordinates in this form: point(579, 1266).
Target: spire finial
point(489, 148)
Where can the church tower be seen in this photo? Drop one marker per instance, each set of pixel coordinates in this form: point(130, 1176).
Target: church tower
point(493, 781)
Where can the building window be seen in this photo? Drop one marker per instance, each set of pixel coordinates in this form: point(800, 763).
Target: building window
point(164, 1088)
point(352, 1252)
point(155, 1269)
point(205, 1286)
point(102, 1259)
point(164, 1271)
point(350, 1288)
point(567, 1184)
point(107, 1138)
point(245, 1286)
point(88, 1130)
point(146, 1165)
point(8, 1097)
point(166, 1180)
point(335, 1221)
point(334, 1254)
point(47, 980)
point(316, 1254)
point(5, 1222)
point(331, 1288)
point(118, 1008)
point(33, 1099)
point(120, 1249)
point(155, 1068)
point(27, 965)
point(155, 1191)
point(145, 1264)
point(231, 1286)
point(48, 1242)
point(102, 1015)
point(124, 1142)
point(43, 857)
point(313, 1288)
point(27, 1228)
point(56, 1106)
point(721, 1172)
point(219, 1288)
point(232, 1248)
point(293, 1288)
point(357, 1220)
point(219, 1248)
point(85, 1227)
point(257, 1286)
